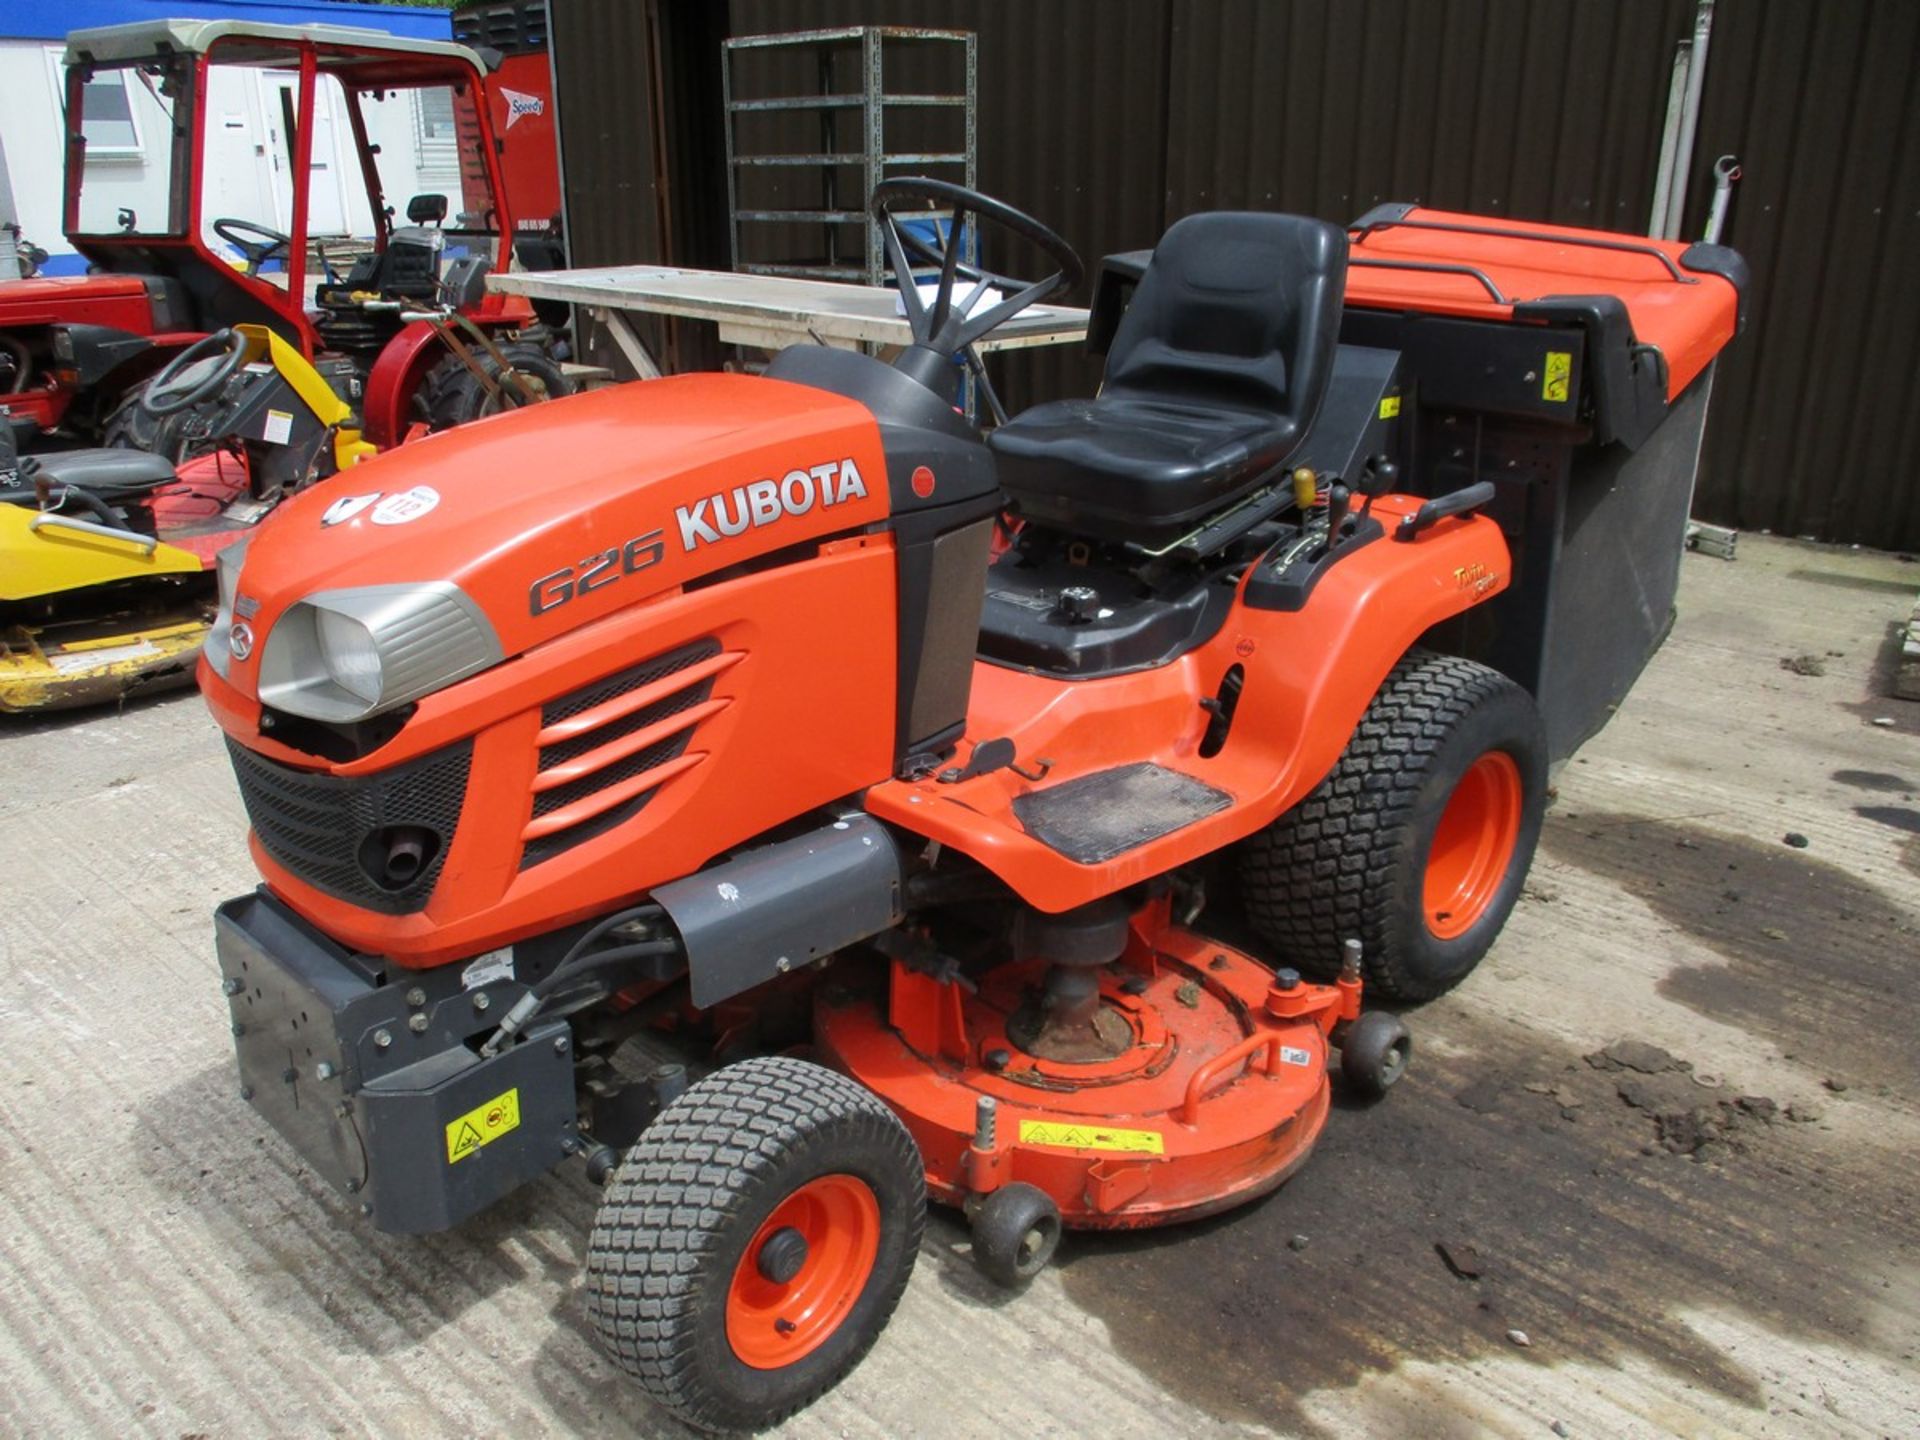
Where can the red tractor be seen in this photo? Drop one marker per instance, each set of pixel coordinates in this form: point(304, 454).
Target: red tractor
point(241, 213)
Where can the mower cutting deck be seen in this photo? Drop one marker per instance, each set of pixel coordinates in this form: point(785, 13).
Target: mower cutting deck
point(921, 770)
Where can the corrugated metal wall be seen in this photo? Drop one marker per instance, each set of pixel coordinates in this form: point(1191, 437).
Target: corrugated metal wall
point(1818, 429)
point(642, 152)
point(1111, 118)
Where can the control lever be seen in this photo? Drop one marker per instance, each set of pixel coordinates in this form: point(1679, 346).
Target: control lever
point(1378, 477)
point(1460, 502)
point(1339, 498)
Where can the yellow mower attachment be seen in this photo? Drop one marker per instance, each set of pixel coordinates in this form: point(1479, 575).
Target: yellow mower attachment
point(59, 666)
point(44, 553)
point(134, 634)
point(265, 347)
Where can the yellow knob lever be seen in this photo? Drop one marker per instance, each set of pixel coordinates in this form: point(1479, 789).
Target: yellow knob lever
point(1305, 488)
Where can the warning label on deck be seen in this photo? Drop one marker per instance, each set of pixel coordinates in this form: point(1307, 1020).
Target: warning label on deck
point(483, 1125)
point(1091, 1137)
point(1559, 368)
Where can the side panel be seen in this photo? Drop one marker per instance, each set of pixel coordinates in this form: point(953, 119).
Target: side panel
point(117, 300)
point(794, 708)
point(519, 96)
point(1621, 541)
point(1309, 676)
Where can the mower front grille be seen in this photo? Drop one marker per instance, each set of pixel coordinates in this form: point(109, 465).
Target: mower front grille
point(618, 768)
point(317, 825)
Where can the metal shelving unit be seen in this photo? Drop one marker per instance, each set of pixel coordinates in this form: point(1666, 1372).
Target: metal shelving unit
point(841, 153)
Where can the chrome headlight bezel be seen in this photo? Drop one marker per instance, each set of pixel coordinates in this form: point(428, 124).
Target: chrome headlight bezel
point(425, 635)
point(218, 646)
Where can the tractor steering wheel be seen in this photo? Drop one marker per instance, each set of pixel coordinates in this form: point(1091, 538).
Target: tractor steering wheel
point(946, 326)
point(195, 374)
point(255, 252)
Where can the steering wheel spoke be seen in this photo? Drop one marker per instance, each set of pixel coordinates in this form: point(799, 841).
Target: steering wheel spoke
point(946, 327)
point(916, 308)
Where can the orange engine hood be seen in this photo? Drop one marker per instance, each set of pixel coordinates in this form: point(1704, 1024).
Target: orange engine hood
point(559, 514)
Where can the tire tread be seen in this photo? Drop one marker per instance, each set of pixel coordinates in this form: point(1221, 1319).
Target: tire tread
point(1312, 879)
point(686, 1184)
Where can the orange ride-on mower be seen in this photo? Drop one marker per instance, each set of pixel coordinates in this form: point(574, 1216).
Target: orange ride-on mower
point(887, 776)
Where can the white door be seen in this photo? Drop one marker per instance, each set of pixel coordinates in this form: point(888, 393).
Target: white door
point(326, 187)
point(240, 175)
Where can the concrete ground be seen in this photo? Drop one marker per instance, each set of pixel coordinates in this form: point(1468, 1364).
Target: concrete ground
point(1679, 1259)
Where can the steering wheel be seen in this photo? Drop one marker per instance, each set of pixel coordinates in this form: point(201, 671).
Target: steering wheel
point(195, 374)
point(946, 327)
point(258, 251)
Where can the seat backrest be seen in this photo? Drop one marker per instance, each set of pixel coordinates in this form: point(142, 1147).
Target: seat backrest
point(410, 265)
point(1237, 308)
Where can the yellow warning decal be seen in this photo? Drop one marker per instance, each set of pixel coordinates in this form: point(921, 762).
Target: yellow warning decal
point(483, 1125)
point(1559, 368)
point(1389, 407)
point(1091, 1137)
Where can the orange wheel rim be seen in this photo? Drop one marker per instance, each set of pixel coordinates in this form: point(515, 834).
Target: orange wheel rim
point(1472, 845)
point(803, 1271)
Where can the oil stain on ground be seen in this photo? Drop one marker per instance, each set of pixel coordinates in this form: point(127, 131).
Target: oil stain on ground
point(1876, 780)
point(1588, 1243)
point(1898, 817)
point(1592, 1238)
point(1818, 961)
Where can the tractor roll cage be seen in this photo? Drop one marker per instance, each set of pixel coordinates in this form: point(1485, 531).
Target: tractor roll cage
point(176, 55)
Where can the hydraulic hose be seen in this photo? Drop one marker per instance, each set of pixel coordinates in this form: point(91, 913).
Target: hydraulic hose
point(581, 959)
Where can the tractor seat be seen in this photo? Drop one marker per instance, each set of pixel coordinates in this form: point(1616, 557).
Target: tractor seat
point(407, 269)
point(113, 475)
point(1215, 374)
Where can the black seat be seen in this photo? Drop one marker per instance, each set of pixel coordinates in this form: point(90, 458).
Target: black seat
point(1214, 376)
point(113, 475)
point(407, 269)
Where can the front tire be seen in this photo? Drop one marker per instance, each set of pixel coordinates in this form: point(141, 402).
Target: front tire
point(452, 395)
point(755, 1241)
point(179, 437)
point(1417, 842)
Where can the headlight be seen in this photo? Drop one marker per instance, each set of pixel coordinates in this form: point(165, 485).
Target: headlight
point(219, 642)
point(349, 654)
point(343, 655)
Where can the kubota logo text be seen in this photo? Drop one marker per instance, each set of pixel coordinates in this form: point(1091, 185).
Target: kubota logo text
point(706, 522)
point(732, 512)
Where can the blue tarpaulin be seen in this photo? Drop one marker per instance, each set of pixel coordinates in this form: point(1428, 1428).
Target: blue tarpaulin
point(53, 19)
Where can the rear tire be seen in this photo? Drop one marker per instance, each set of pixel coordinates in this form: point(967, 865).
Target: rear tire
point(1448, 752)
point(452, 395)
point(755, 1241)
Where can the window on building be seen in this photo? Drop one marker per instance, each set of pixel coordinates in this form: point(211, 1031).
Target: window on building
point(436, 141)
point(108, 117)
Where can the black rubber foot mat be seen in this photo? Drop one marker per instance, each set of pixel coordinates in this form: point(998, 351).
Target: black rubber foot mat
point(1113, 811)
